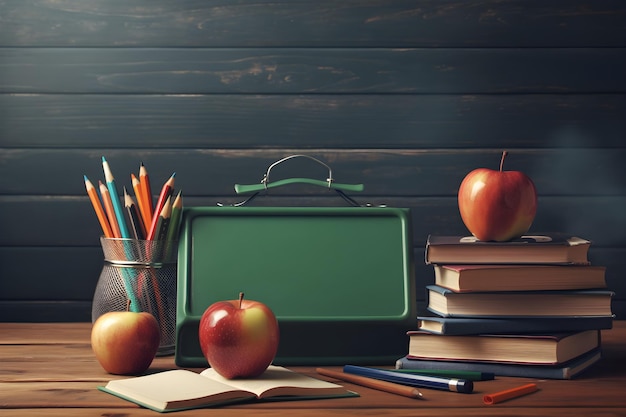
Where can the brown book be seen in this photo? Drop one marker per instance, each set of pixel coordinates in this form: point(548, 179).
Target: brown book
point(471, 278)
point(547, 349)
point(536, 249)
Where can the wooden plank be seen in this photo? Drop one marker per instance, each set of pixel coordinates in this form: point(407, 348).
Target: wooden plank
point(604, 411)
point(319, 70)
point(312, 121)
point(72, 222)
point(389, 173)
point(288, 23)
point(71, 297)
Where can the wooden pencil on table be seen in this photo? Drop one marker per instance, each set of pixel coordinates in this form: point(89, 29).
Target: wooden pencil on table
point(166, 191)
point(110, 211)
point(134, 218)
point(389, 387)
point(97, 206)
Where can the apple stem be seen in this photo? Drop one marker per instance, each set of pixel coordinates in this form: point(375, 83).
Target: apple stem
point(128, 305)
point(504, 154)
point(240, 299)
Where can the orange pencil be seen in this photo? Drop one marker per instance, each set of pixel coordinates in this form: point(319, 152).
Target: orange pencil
point(146, 192)
point(95, 201)
point(166, 191)
point(108, 206)
point(509, 394)
point(390, 387)
point(146, 218)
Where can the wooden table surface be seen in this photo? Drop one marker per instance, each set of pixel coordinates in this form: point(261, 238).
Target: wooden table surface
point(50, 370)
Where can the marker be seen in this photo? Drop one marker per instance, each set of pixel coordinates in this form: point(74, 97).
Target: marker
point(423, 381)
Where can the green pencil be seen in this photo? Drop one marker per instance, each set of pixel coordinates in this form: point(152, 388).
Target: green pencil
point(450, 373)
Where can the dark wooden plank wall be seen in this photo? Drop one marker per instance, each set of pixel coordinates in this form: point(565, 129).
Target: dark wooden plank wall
point(404, 96)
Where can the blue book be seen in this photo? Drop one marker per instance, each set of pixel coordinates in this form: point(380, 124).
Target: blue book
point(447, 303)
point(454, 326)
point(568, 370)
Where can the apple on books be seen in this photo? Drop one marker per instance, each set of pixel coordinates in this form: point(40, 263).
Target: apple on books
point(497, 205)
point(125, 342)
point(239, 338)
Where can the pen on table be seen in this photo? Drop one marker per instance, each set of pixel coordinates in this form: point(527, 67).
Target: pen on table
point(108, 206)
point(450, 373)
point(97, 206)
point(509, 394)
point(422, 381)
point(389, 387)
point(136, 224)
point(115, 199)
point(166, 191)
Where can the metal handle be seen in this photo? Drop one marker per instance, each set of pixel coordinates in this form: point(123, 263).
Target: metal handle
point(266, 184)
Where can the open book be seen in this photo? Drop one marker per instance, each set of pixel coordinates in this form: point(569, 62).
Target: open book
point(181, 389)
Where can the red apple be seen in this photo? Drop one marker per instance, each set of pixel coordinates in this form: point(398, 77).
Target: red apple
point(125, 342)
point(239, 338)
point(497, 205)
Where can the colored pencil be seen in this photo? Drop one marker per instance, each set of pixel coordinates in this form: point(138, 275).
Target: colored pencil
point(145, 217)
point(163, 221)
point(166, 191)
point(146, 192)
point(134, 218)
point(390, 387)
point(97, 206)
point(115, 199)
point(108, 207)
point(177, 207)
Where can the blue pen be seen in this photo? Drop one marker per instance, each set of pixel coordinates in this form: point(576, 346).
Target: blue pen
point(422, 381)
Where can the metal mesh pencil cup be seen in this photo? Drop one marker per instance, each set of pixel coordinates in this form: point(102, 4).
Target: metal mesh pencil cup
point(144, 273)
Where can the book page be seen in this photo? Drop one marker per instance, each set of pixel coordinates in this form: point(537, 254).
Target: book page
point(277, 381)
point(173, 389)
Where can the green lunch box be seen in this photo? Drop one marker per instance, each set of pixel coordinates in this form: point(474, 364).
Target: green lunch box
point(340, 280)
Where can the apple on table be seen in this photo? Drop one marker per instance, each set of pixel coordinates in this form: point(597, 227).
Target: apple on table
point(239, 338)
point(125, 342)
point(497, 205)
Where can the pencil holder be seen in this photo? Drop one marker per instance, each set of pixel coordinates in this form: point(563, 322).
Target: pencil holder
point(144, 273)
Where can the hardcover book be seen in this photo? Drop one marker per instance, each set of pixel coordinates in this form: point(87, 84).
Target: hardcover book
point(470, 325)
point(472, 278)
point(181, 389)
point(447, 303)
point(532, 249)
point(547, 349)
point(567, 370)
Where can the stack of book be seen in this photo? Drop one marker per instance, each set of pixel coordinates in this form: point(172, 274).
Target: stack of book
point(531, 307)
